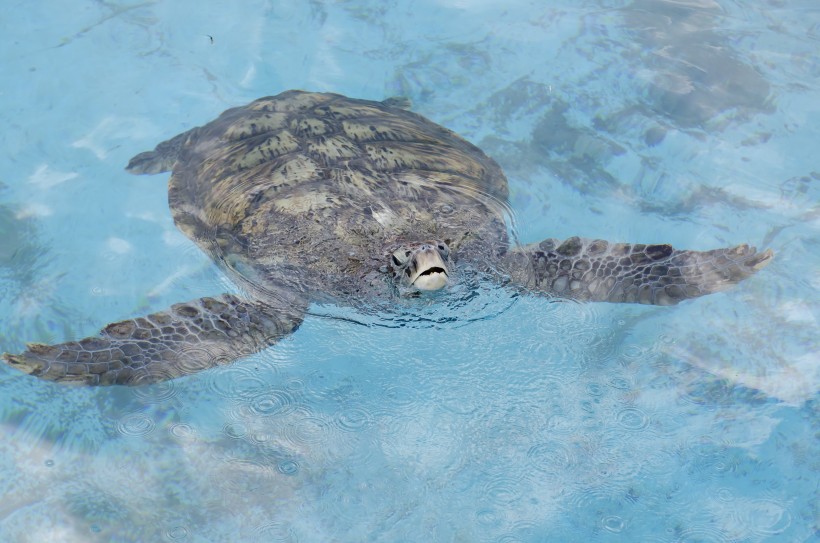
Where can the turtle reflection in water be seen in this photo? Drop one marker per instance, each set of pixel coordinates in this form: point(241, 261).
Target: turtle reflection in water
point(306, 197)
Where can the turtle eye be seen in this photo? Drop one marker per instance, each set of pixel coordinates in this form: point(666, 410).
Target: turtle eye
point(400, 256)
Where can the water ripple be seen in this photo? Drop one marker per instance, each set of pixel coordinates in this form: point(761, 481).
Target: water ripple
point(632, 418)
point(595, 390)
point(521, 531)
point(708, 459)
point(270, 403)
point(572, 335)
point(502, 490)
point(183, 431)
point(489, 517)
point(551, 457)
point(560, 424)
point(193, 358)
point(619, 383)
point(235, 430)
point(155, 385)
point(295, 386)
point(135, 424)
point(236, 382)
point(288, 467)
point(248, 474)
point(177, 533)
point(669, 424)
point(634, 352)
point(609, 471)
point(274, 532)
point(761, 517)
point(399, 396)
point(308, 430)
point(701, 534)
point(394, 426)
point(353, 419)
point(613, 523)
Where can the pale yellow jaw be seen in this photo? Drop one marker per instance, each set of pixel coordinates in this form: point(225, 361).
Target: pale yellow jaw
point(431, 281)
point(431, 271)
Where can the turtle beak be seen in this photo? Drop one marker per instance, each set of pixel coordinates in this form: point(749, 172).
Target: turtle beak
point(430, 270)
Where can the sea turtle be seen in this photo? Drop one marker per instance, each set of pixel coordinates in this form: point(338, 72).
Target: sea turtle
point(306, 197)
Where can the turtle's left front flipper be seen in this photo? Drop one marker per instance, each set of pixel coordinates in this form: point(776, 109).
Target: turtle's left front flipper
point(597, 270)
point(184, 339)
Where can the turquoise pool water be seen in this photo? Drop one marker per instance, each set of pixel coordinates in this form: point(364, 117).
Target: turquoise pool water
point(690, 122)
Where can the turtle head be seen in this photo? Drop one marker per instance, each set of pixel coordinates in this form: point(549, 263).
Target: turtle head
point(425, 265)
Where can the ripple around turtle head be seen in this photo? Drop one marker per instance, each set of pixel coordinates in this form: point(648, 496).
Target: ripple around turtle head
point(473, 297)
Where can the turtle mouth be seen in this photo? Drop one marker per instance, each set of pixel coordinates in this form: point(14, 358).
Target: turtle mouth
point(423, 266)
point(434, 269)
point(432, 278)
point(430, 270)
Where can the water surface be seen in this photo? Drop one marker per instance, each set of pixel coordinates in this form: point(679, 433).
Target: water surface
point(688, 122)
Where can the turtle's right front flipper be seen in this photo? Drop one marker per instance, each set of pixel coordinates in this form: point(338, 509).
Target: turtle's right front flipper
point(184, 339)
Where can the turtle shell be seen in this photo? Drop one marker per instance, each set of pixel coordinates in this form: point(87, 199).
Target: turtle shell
point(324, 187)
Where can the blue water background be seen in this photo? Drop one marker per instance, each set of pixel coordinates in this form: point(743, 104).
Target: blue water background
point(691, 122)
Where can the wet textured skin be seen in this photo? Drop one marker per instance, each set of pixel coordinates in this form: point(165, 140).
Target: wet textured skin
point(307, 197)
